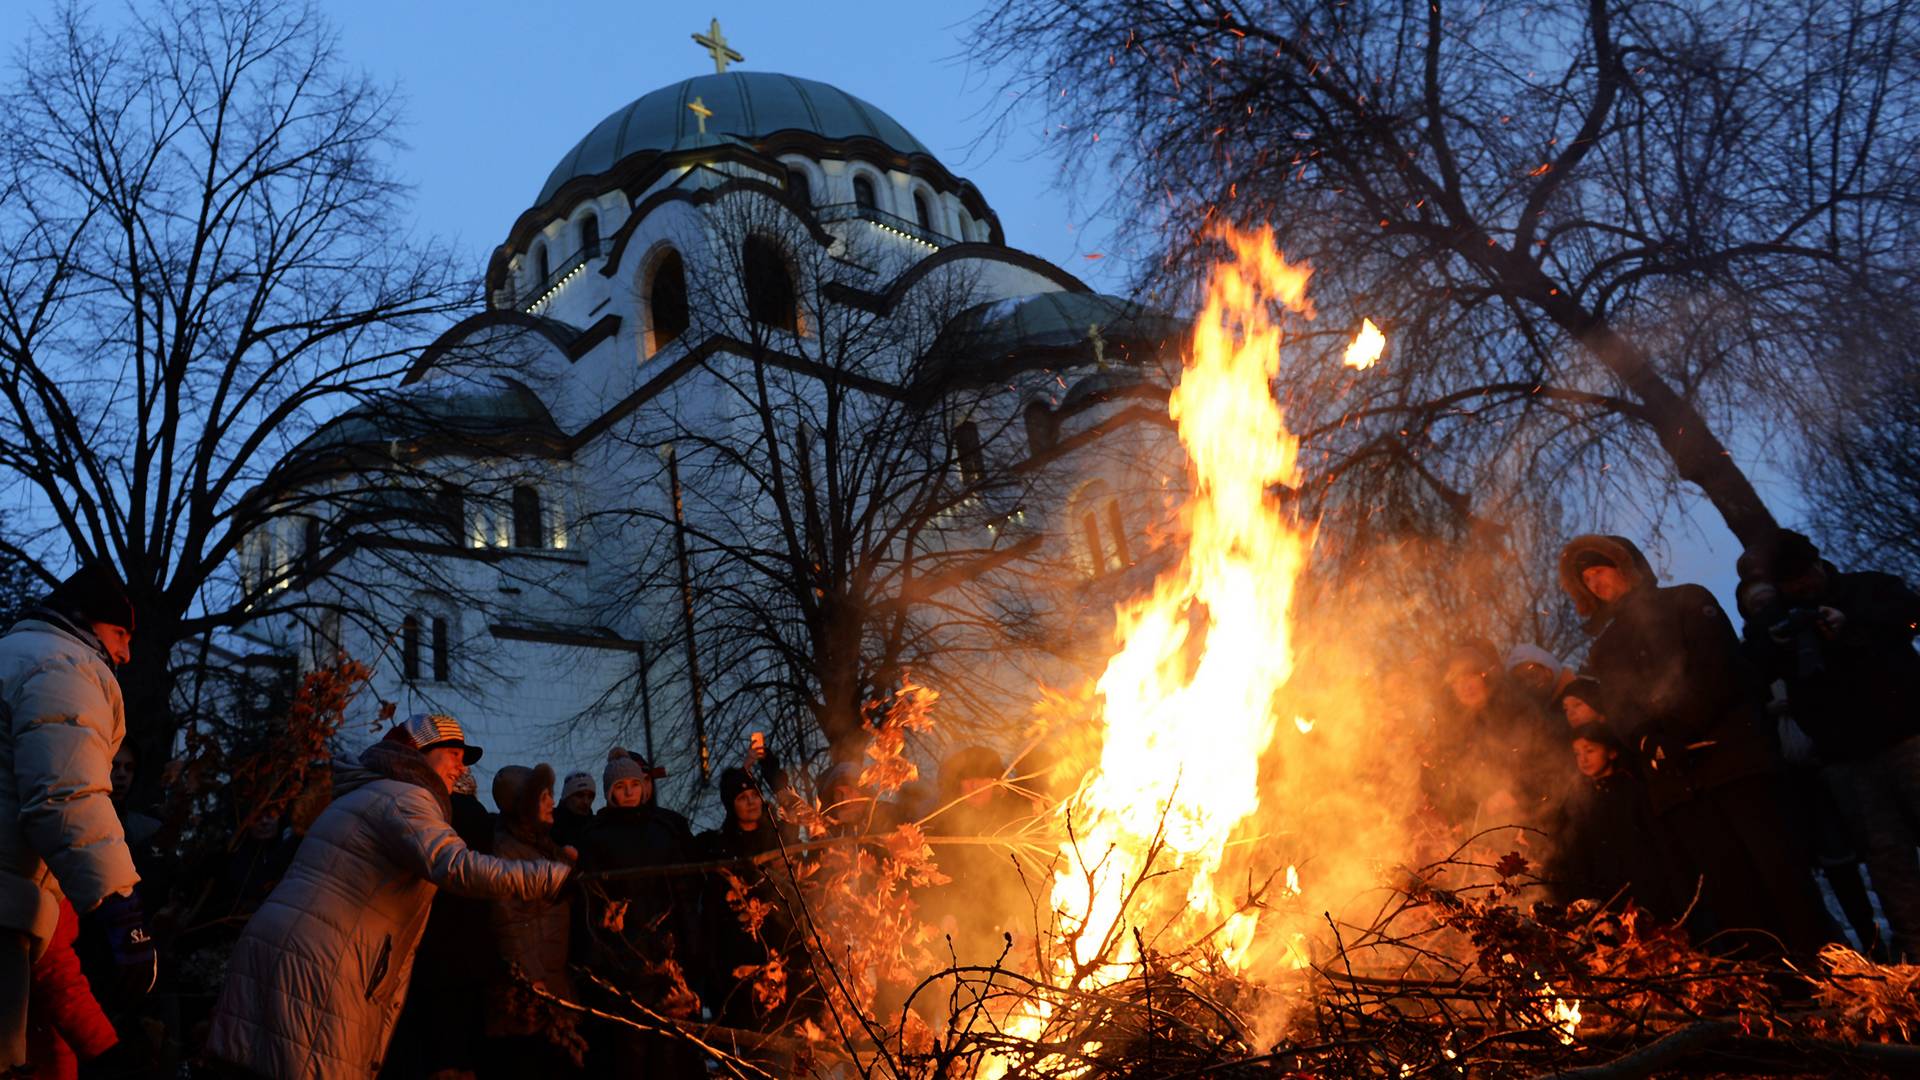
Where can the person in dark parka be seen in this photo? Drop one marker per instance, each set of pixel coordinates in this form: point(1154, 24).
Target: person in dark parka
point(630, 928)
point(1843, 644)
point(533, 935)
point(1684, 698)
point(573, 816)
point(750, 829)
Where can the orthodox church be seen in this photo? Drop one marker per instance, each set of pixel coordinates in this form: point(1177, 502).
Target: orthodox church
point(525, 530)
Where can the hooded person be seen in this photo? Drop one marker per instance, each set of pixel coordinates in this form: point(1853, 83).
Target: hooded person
point(645, 932)
point(62, 719)
point(1680, 692)
point(1535, 671)
point(533, 935)
point(1843, 645)
point(318, 976)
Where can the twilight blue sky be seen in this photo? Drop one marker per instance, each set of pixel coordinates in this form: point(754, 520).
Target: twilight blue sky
point(498, 91)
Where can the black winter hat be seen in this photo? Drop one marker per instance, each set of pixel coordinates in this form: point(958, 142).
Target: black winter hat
point(1782, 554)
point(733, 781)
point(1584, 688)
point(93, 594)
point(1598, 733)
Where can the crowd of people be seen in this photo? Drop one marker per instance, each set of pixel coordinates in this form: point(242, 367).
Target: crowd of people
point(1709, 774)
point(404, 930)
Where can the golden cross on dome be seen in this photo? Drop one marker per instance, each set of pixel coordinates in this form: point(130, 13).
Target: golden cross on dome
point(716, 45)
point(699, 109)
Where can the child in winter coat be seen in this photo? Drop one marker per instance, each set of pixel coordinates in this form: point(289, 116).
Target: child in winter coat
point(65, 1024)
point(1613, 850)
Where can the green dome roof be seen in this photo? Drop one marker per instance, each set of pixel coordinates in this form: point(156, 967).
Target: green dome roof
point(747, 105)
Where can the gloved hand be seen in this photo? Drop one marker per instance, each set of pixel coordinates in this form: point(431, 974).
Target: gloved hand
point(125, 923)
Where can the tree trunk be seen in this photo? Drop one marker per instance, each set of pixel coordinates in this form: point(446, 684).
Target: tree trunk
point(1699, 456)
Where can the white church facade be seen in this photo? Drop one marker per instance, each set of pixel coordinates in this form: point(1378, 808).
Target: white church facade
point(698, 280)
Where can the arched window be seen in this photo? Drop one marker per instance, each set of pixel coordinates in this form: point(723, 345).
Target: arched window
point(966, 451)
point(922, 211)
point(526, 517)
point(410, 648)
point(863, 193)
point(441, 659)
point(310, 551)
point(667, 314)
point(1043, 428)
point(590, 236)
point(770, 295)
point(1095, 514)
point(801, 187)
point(541, 269)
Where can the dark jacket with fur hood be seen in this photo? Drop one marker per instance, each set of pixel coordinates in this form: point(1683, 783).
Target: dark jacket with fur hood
point(1676, 683)
point(319, 973)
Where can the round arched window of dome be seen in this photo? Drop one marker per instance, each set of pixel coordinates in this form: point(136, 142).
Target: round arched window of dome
point(771, 300)
point(542, 269)
point(922, 211)
point(863, 195)
point(590, 236)
point(667, 312)
point(799, 185)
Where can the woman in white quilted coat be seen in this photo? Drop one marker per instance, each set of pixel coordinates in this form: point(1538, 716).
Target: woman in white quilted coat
point(319, 975)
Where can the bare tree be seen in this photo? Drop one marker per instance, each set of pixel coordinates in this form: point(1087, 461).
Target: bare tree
point(1597, 234)
point(834, 499)
point(202, 257)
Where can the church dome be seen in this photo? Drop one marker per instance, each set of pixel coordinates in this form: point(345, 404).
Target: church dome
point(746, 105)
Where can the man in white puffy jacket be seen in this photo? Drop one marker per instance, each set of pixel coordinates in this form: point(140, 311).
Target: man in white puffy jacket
point(319, 975)
point(61, 720)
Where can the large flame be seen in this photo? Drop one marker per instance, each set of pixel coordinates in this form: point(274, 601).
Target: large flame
point(1188, 699)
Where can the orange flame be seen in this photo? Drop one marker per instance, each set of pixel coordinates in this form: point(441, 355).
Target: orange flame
point(1366, 347)
point(1188, 698)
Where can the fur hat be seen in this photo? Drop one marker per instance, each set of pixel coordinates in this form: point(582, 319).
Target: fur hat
point(576, 783)
point(516, 789)
point(1582, 553)
point(93, 594)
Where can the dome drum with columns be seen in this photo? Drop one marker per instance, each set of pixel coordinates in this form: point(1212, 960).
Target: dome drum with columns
point(836, 156)
point(591, 339)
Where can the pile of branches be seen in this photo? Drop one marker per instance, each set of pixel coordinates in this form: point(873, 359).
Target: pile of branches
point(1469, 980)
